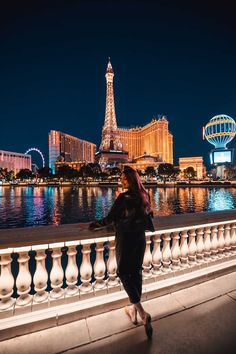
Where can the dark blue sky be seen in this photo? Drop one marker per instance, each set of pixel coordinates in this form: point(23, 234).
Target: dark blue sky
point(170, 57)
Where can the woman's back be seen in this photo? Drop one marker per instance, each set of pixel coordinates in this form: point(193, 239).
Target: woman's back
point(132, 217)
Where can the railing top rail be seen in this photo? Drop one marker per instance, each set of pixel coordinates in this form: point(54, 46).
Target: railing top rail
point(79, 233)
point(90, 241)
point(192, 227)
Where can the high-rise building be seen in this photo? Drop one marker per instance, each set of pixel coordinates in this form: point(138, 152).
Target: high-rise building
point(14, 161)
point(67, 148)
point(153, 139)
point(128, 144)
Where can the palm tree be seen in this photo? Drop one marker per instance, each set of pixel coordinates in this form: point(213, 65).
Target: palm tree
point(86, 171)
point(176, 173)
point(96, 169)
point(66, 171)
point(3, 173)
point(190, 173)
point(45, 172)
point(150, 171)
point(166, 170)
point(25, 173)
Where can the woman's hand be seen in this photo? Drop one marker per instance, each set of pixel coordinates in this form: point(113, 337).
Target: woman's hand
point(94, 225)
point(83, 226)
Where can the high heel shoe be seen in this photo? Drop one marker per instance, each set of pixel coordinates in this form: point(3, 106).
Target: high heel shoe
point(133, 317)
point(148, 326)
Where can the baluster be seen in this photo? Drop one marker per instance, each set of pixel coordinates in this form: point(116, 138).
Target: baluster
point(112, 280)
point(192, 248)
point(86, 268)
point(6, 280)
point(99, 265)
point(147, 259)
point(166, 253)
point(227, 240)
point(200, 245)
point(175, 251)
point(56, 274)
point(156, 255)
point(40, 276)
point(221, 241)
point(72, 271)
point(184, 249)
point(233, 237)
point(24, 279)
point(214, 242)
point(207, 243)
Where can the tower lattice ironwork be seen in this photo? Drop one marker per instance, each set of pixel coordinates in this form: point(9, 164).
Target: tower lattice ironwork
point(110, 137)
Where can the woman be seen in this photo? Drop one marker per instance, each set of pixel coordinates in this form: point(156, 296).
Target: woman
point(131, 215)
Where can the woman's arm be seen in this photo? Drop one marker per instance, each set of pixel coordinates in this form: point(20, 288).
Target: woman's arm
point(113, 214)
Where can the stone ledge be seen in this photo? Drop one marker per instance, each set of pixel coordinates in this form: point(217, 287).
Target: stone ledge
point(63, 314)
point(31, 236)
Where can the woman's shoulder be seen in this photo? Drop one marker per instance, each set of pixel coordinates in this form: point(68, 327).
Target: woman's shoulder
point(132, 198)
point(121, 196)
point(127, 196)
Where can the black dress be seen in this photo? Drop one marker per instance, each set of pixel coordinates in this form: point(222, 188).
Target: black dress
point(130, 224)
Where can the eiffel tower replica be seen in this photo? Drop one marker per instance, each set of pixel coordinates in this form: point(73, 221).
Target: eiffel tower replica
point(111, 151)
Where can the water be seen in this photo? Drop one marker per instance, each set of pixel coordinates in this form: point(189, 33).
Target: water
point(30, 206)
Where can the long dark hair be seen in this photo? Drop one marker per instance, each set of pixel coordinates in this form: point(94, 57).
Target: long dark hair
point(136, 186)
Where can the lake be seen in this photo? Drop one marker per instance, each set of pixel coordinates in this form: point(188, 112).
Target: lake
point(31, 206)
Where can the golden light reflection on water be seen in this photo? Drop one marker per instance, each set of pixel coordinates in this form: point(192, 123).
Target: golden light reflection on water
point(168, 201)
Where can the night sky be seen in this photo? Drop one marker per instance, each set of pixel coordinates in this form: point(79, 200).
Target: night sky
point(175, 58)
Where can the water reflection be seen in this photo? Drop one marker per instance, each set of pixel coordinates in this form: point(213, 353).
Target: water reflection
point(221, 199)
point(27, 206)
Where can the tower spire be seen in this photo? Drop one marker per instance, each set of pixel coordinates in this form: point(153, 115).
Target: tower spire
point(110, 137)
point(109, 66)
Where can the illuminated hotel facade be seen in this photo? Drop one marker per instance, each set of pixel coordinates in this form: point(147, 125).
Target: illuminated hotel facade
point(14, 161)
point(153, 139)
point(67, 148)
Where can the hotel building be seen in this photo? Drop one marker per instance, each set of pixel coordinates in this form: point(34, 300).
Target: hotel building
point(67, 148)
point(14, 161)
point(153, 139)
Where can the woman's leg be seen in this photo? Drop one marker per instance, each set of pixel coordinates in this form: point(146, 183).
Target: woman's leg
point(133, 286)
point(146, 318)
point(130, 286)
point(142, 313)
point(133, 294)
point(137, 283)
point(132, 313)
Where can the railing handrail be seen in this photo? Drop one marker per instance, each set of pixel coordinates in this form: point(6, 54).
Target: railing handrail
point(192, 227)
point(29, 236)
point(87, 241)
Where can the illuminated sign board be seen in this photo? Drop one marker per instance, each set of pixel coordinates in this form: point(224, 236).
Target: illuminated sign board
point(221, 156)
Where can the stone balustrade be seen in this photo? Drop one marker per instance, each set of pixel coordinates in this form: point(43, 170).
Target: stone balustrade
point(44, 275)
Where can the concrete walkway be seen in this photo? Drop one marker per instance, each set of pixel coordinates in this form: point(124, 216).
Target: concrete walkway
point(199, 319)
point(204, 329)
